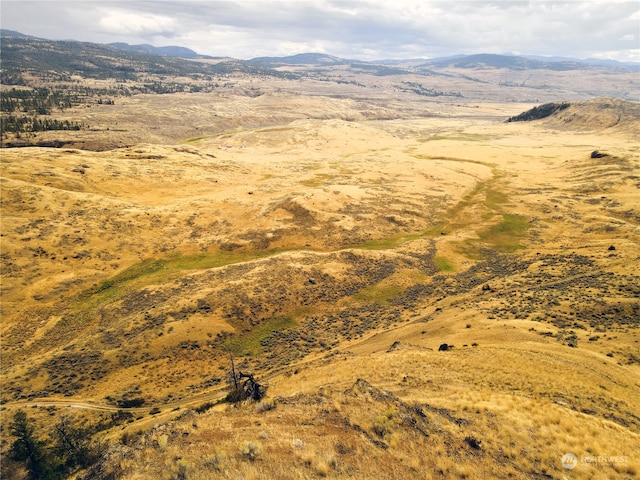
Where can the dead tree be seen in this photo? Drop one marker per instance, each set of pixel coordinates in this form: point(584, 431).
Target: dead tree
point(244, 386)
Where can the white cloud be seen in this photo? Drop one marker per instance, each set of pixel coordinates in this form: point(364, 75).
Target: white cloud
point(144, 25)
point(367, 29)
point(631, 55)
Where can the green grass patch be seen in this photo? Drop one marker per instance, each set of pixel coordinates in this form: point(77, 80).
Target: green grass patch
point(318, 180)
point(506, 235)
point(435, 230)
point(250, 343)
point(274, 129)
point(396, 240)
point(452, 159)
point(303, 311)
point(165, 269)
point(379, 293)
point(414, 276)
point(494, 198)
point(190, 141)
point(218, 258)
point(388, 242)
point(464, 137)
point(112, 287)
point(454, 214)
point(225, 134)
point(444, 264)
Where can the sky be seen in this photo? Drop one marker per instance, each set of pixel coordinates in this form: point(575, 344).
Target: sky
point(356, 29)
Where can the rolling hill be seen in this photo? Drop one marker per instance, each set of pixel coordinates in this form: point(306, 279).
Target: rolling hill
point(421, 288)
point(115, 61)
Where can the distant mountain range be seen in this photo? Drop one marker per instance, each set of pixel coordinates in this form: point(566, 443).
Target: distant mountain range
point(483, 60)
point(525, 62)
point(171, 51)
point(121, 61)
point(303, 59)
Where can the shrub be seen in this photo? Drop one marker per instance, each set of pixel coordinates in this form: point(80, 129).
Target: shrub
point(127, 437)
point(473, 442)
point(204, 407)
point(181, 469)
point(322, 469)
point(250, 450)
point(131, 402)
point(266, 405)
point(383, 424)
point(215, 461)
point(163, 440)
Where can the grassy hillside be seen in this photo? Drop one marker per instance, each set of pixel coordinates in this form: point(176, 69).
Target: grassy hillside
point(135, 273)
point(424, 289)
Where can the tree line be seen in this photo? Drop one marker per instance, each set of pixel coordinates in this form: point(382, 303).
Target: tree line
point(539, 112)
point(25, 124)
point(40, 101)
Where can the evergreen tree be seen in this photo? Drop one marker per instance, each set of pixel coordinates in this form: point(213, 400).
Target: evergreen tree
point(29, 449)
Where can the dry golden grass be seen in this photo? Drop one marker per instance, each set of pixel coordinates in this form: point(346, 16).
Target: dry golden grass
point(366, 432)
point(320, 252)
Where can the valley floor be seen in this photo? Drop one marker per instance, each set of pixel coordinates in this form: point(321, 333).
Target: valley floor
point(447, 297)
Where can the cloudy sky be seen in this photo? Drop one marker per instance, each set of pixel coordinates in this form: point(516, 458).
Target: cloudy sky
point(358, 29)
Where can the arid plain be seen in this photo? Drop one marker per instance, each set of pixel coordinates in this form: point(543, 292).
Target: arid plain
point(332, 239)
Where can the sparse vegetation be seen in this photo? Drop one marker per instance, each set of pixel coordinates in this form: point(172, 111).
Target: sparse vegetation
point(322, 230)
point(216, 462)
